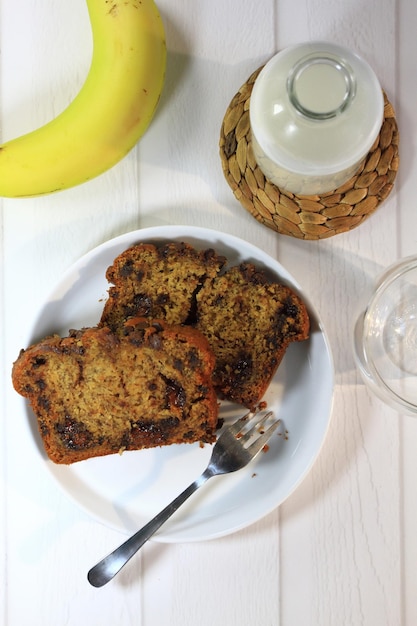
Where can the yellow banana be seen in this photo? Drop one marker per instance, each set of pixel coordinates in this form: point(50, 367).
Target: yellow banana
point(110, 113)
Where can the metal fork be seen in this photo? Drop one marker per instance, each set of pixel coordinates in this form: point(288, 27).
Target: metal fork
point(236, 447)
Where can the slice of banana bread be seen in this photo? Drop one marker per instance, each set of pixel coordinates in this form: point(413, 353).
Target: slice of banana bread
point(157, 281)
point(97, 392)
point(249, 322)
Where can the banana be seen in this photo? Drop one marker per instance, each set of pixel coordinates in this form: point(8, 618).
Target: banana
point(111, 112)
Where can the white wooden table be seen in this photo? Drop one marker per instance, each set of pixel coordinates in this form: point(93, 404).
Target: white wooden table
point(342, 549)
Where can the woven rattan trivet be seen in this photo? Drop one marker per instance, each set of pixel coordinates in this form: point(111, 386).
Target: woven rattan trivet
point(305, 217)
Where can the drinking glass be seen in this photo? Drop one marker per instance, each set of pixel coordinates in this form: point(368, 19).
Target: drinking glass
point(385, 337)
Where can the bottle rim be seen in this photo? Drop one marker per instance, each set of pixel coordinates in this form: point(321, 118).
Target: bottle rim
point(343, 70)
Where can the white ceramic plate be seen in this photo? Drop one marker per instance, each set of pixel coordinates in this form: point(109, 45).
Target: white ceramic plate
point(124, 492)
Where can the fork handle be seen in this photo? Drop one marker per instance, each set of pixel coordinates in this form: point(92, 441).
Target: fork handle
point(108, 567)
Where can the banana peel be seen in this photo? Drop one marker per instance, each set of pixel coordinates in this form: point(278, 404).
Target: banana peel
point(111, 112)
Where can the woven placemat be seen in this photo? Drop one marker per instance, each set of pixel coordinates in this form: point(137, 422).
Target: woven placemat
point(305, 217)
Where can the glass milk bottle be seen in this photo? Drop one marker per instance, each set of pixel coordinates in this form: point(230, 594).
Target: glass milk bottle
point(315, 111)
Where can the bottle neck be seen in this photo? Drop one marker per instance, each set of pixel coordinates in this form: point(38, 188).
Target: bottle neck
point(321, 87)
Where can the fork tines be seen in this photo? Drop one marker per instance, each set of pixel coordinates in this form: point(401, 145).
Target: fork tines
point(245, 428)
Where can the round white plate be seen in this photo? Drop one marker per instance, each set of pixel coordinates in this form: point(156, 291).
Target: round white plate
point(125, 491)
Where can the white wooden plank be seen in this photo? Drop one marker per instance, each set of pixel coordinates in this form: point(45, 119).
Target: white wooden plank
point(407, 94)
point(222, 584)
point(352, 539)
point(332, 524)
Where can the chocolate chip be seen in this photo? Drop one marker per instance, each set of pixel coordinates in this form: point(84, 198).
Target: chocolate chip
point(242, 369)
point(174, 393)
point(162, 298)
point(179, 365)
point(74, 435)
point(141, 306)
point(44, 403)
point(154, 432)
point(39, 361)
point(290, 309)
point(127, 269)
point(194, 360)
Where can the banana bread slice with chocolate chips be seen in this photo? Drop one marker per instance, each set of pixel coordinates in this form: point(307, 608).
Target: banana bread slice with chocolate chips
point(97, 392)
point(157, 281)
point(249, 322)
